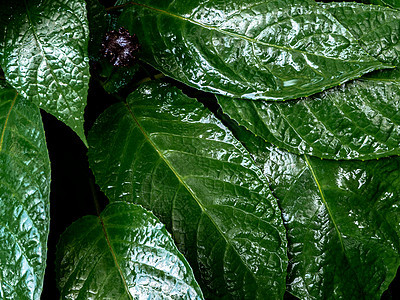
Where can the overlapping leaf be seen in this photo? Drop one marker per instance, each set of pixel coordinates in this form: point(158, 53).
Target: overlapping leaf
point(166, 152)
point(342, 219)
point(358, 120)
point(24, 197)
point(273, 50)
point(126, 253)
point(45, 56)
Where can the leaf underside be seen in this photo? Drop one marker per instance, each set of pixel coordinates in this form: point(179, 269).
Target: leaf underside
point(342, 219)
point(24, 197)
point(168, 153)
point(273, 50)
point(126, 253)
point(46, 57)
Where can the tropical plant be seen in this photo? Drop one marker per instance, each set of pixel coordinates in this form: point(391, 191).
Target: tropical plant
point(242, 149)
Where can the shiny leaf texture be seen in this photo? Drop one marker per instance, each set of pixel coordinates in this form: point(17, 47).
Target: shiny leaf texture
point(126, 253)
point(165, 151)
point(390, 3)
point(24, 197)
point(377, 28)
point(46, 57)
point(275, 50)
point(359, 120)
point(342, 219)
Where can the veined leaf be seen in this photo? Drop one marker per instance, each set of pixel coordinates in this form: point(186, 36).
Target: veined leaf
point(272, 50)
point(24, 197)
point(168, 153)
point(46, 57)
point(377, 28)
point(359, 120)
point(389, 3)
point(342, 218)
point(125, 253)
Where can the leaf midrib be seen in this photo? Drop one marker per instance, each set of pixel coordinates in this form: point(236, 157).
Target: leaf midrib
point(183, 183)
point(251, 40)
point(6, 121)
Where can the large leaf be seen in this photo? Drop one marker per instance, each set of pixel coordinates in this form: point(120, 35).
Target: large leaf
point(377, 28)
point(359, 120)
point(46, 57)
point(125, 253)
point(273, 50)
point(342, 217)
point(168, 153)
point(24, 197)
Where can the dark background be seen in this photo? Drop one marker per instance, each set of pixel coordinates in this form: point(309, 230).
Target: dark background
point(72, 186)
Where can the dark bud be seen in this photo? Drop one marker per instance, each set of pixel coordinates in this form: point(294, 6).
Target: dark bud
point(120, 47)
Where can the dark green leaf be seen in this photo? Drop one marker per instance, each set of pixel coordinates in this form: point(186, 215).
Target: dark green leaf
point(24, 197)
point(248, 49)
point(46, 57)
point(126, 253)
point(167, 152)
point(342, 217)
point(358, 120)
point(117, 77)
point(377, 28)
point(389, 3)
point(97, 18)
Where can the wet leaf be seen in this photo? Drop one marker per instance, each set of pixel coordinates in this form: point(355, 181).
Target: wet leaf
point(171, 155)
point(126, 253)
point(24, 197)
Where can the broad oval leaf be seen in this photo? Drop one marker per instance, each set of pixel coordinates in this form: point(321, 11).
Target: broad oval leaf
point(272, 50)
point(342, 219)
point(45, 57)
point(24, 197)
point(358, 120)
point(168, 153)
point(125, 253)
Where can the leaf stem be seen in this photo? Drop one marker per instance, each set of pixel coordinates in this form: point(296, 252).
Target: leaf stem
point(117, 7)
point(94, 193)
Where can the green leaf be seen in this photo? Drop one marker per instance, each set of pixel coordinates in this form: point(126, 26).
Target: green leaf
point(165, 151)
point(358, 120)
point(97, 18)
point(389, 3)
point(24, 197)
point(116, 78)
point(46, 57)
point(126, 253)
point(272, 50)
point(342, 218)
point(375, 27)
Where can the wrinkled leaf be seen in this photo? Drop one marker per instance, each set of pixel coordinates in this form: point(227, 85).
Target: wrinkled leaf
point(248, 49)
point(389, 3)
point(46, 57)
point(24, 197)
point(377, 28)
point(168, 153)
point(342, 217)
point(126, 253)
point(358, 120)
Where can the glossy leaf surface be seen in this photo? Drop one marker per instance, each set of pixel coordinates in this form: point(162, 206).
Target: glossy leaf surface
point(168, 153)
point(358, 120)
point(377, 28)
point(342, 219)
point(126, 253)
point(46, 57)
point(24, 197)
point(272, 50)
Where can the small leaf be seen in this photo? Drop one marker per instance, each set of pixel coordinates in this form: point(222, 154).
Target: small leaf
point(126, 253)
point(165, 151)
point(46, 57)
point(273, 50)
point(24, 197)
point(342, 217)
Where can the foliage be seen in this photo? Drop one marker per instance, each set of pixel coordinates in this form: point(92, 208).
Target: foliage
point(247, 149)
